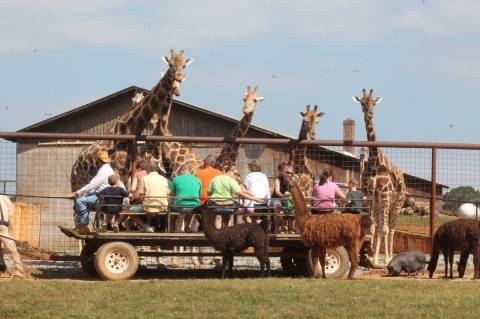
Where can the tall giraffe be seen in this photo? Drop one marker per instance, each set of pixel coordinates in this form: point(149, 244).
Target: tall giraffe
point(229, 151)
point(132, 122)
point(298, 155)
point(383, 183)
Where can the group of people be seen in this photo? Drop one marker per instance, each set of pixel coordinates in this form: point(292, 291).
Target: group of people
point(151, 194)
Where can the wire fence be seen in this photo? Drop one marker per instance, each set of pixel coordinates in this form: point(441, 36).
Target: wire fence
point(40, 171)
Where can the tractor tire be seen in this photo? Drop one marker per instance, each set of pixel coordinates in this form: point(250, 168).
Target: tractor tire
point(116, 261)
point(337, 263)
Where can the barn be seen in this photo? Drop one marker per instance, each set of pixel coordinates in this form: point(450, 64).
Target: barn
point(43, 166)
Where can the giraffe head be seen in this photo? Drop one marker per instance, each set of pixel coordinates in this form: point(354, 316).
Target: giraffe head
point(310, 120)
point(137, 97)
point(176, 64)
point(368, 102)
point(250, 100)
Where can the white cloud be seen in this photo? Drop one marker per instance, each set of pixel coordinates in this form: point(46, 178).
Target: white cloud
point(351, 19)
point(49, 24)
point(463, 64)
point(27, 25)
point(443, 17)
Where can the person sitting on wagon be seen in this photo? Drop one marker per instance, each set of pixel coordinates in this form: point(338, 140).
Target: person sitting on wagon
point(86, 197)
point(256, 183)
point(355, 198)
point(222, 191)
point(111, 199)
point(187, 189)
point(280, 198)
point(153, 191)
point(325, 192)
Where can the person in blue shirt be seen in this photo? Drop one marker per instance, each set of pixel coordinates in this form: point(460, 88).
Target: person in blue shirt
point(111, 202)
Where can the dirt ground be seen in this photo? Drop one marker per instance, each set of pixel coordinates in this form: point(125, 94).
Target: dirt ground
point(71, 270)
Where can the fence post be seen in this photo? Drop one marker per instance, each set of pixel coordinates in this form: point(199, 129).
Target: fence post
point(433, 195)
point(133, 157)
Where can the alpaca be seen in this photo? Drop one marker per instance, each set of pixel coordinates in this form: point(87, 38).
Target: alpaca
point(234, 239)
point(328, 231)
point(461, 234)
point(6, 226)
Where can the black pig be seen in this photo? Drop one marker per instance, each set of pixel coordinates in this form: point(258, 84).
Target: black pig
point(409, 261)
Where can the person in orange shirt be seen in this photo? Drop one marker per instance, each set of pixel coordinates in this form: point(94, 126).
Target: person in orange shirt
point(206, 174)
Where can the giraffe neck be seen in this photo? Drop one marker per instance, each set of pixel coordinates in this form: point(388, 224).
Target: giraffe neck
point(373, 151)
point(229, 151)
point(137, 117)
point(299, 154)
point(176, 153)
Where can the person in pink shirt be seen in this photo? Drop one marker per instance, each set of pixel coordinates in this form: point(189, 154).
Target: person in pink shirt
point(325, 192)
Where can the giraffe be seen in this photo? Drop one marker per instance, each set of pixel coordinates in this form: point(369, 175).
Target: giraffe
point(175, 153)
point(298, 155)
point(229, 151)
point(132, 122)
point(383, 183)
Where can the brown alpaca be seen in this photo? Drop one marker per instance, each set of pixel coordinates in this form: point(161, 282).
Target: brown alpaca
point(463, 235)
point(328, 231)
point(235, 239)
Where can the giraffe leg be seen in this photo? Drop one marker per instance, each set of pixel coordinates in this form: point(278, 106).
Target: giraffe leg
point(386, 244)
point(390, 242)
point(378, 239)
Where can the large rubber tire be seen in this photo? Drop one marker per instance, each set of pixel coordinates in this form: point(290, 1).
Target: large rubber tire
point(294, 266)
point(337, 263)
point(87, 260)
point(116, 261)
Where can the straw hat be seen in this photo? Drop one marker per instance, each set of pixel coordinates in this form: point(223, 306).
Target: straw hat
point(103, 156)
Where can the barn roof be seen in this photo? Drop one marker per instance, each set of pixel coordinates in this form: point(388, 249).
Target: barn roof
point(97, 103)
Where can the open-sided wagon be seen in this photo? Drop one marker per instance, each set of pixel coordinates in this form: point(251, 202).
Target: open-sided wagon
point(115, 256)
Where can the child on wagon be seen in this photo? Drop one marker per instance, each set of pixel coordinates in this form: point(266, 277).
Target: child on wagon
point(111, 200)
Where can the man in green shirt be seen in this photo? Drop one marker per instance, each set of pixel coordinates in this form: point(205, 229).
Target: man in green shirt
point(223, 189)
point(187, 189)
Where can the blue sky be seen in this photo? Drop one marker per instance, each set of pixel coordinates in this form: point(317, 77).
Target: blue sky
point(421, 56)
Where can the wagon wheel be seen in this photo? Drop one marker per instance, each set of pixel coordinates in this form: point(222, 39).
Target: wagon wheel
point(294, 266)
point(336, 263)
point(116, 261)
point(87, 259)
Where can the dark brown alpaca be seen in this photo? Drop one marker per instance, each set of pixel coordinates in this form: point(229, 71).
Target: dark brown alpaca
point(461, 234)
point(328, 231)
point(235, 239)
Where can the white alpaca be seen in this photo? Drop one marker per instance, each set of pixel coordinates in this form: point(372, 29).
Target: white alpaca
point(6, 212)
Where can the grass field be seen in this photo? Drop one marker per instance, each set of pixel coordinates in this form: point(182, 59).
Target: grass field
point(240, 298)
point(420, 224)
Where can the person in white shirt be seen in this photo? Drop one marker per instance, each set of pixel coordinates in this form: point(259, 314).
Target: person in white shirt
point(86, 196)
point(256, 183)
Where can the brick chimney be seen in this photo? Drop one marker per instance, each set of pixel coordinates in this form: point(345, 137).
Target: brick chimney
point(349, 134)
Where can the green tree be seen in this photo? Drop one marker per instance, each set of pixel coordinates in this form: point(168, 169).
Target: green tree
point(462, 194)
